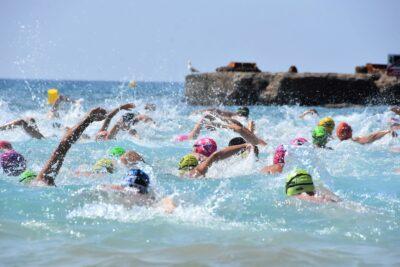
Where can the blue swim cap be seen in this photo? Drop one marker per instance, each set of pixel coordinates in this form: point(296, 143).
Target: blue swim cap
point(138, 179)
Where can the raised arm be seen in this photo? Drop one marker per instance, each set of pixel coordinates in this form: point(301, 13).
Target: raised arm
point(29, 126)
point(227, 152)
point(246, 133)
point(54, 108)
point(310, 111)
point(50, 170)
point(114, 112)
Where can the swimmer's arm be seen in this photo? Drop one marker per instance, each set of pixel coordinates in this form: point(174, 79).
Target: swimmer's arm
point(53, 165)
point(143, 118)
point(310, 111)
point(251, 126)
point(196, 130)
point(371, 138)
point(246, 133)
point(115, 129)
point(167, 204)
point(273, 169)
point(396, 110)
point(217, 156)
point(29, 127)
point(112, 114)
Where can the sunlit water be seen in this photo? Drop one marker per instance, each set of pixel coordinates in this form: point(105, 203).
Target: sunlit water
point(237, 217)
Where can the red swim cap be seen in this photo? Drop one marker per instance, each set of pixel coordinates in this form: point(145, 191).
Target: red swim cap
point(5, 144)
point(279, 156)
point(205, 146)
point(344, 131)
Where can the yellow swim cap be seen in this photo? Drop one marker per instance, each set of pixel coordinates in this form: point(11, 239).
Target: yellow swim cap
point(328, 123)
point(299, 181)
point(102, 164)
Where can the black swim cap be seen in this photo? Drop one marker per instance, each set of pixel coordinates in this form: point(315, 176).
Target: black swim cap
point(236, 141)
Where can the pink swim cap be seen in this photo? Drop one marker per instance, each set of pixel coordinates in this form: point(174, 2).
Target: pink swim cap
point(279, 156)
point(5, 144)
point(205, 146)
point(181, 138)
point(12, 163)
point(299, 141)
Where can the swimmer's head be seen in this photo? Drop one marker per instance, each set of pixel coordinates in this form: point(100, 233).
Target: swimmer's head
point(243, 111)
point(205, 146)
point(131, 158)
point(5, 145)
point(299, 141)
point(116, 151)
point(279, 156)
point(188, 163)
point(328, 123)
point(344, 131)
point(27, 176)
point(319, 136)
point(138, 179)
point(150, 107)
point(12, 162)
point(128, 119)
point(103, 165)
point(237, 141)
point(299, 181)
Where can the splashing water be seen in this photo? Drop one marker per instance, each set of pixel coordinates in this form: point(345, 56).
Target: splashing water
point(238, 216)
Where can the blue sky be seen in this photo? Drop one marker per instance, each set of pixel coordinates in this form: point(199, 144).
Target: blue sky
point(152, 40)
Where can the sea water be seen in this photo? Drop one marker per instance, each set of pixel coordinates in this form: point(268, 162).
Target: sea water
point(235, 216)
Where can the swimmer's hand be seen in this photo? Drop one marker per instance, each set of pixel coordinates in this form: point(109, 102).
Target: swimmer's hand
point(167, 204)
point(310, 111)
point(127, 106)
point(97, 114)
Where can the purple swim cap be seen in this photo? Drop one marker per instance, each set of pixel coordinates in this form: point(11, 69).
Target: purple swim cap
point(13, 163)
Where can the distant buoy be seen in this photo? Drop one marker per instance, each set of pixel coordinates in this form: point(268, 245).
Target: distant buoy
point(52, 95)
point(132, 84)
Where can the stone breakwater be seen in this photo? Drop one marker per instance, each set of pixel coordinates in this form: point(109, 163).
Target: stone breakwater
point(283, 88)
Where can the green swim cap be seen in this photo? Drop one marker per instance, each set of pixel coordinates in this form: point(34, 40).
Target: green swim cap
point(102, 164)
point(243, 111)
point(299, 181)
point(187, 162)
point(27, 176)
point(116, 151)
point(320, 136)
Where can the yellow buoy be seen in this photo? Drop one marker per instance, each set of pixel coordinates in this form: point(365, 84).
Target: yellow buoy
point(52, 95)
point(132, 84)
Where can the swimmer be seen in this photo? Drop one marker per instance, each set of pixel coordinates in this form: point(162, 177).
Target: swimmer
point(242, 112)
point(278, 161)
point(49, 172)
point(299, 184)
point(12, 162)
point(28, 125)
point(126, 122)
point(328, 123)
point(190, 166)
point(237, 127)
point(320, 137)
point(203, 148)
point(395, 110)
point(54, 111)
point(102, 134)
point(239, 141)
point(136, 190)
point(312, 112)
point(345, 132)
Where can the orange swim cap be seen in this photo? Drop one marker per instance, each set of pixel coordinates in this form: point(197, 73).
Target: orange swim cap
point(344, 131)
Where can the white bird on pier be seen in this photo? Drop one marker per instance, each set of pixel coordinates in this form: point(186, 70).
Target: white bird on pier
point(191, 68)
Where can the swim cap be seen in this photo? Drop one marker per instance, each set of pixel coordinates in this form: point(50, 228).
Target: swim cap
point(205, 146)
point(328, 123)
point(320, 136)
point(344, 131)
point(181, 138)
point(138, 179)
point(237, 141)
point(188, 162)
point(243, 111)
point(12, 163)
point(128, 117)
point(299, 181)
point(299, 141)
point(27, 176)
point(116, 151)
point(279, 156)
point(5, 145)
point(102, 164)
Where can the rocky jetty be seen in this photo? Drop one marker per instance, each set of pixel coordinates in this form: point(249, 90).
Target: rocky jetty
point(265, 88)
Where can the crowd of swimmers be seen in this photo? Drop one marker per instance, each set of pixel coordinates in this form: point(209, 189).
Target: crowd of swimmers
point(136, 182)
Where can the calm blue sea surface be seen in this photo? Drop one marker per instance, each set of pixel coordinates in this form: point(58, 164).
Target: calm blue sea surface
point(235, 217)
